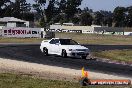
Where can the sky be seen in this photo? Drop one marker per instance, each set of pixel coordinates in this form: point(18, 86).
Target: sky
point(108, 5)
point(97, 5)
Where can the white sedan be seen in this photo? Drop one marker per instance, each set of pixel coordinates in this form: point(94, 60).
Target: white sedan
point(64, 47)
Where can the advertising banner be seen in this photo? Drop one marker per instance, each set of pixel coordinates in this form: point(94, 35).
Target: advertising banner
point(20, 32)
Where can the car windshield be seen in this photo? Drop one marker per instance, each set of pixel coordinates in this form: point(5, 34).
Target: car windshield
point(68, 42)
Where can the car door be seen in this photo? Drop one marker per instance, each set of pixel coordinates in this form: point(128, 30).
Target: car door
point(56, 46)
point(50, 46)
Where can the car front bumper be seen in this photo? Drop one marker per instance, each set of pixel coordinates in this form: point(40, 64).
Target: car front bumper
point(77, 54)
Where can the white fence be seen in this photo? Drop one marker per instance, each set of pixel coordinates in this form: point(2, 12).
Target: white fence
point(21, 32)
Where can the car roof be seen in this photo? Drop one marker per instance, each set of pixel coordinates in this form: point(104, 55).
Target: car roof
point(61, 38)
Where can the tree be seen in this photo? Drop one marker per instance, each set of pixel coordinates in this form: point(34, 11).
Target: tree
point(75, 20)
point(119, 16)
point(86, 19)
point(109, 21)
point(24, 7)
point(71, 7)
point(51, 11)
point(129, 16)
point(39, 6)
point(107, 18)
point(19, 7)
point(56, 10)
point(98, 19)
point(62, 5)
point(4, 6)
point(86, 9)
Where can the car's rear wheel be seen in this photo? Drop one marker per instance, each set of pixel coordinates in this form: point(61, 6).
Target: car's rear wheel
point(45, 51)
point(64, 54)
point(84, 57)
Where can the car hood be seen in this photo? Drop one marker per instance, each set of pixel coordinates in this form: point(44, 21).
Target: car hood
point(73, 47)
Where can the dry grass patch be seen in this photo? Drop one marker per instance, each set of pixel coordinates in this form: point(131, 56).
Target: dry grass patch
point(97, 38)
point(118, 55)
point(20, 40)
point(19, 81)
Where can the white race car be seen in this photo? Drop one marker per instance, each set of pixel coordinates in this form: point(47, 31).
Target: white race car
point(64, 47)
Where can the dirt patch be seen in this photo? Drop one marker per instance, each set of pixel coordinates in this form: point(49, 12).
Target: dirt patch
point(37, 70)
point(49, 72)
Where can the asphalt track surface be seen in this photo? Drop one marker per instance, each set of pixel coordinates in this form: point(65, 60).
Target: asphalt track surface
point(31, 53)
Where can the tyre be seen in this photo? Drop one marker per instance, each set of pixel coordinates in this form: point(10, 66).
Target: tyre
point(45, 51)
point(85, 81)
point(84, 57)
point(64, 54)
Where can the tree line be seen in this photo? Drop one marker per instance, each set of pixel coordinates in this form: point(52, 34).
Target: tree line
point(46, 12)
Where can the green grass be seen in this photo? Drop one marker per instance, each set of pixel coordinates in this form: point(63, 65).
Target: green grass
point(97, 38)
point(20, 40)
point(118, 55)
point(19, 81)
point(81, 38)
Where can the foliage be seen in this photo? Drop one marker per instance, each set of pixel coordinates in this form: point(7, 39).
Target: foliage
point(86, 19)
point(71, 7)
point(129, 17)
point(98, 18)
point(4, 6)
point(51, 11)
point(47, 12)
point(39, 6)
point(119, 16)
point(19, 9)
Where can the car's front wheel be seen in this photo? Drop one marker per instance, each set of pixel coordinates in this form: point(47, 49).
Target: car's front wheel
point(45, 51)
point(64, 54)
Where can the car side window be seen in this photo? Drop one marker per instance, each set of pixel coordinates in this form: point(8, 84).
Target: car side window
point(54, 41)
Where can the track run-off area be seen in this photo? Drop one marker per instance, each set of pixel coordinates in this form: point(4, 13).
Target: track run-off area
point(30, 53)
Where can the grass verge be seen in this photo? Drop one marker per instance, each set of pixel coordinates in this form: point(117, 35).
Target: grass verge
point(81, 38)
point(19, 81)
point(20, 40)
point(118, 55)
point(97, 38)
